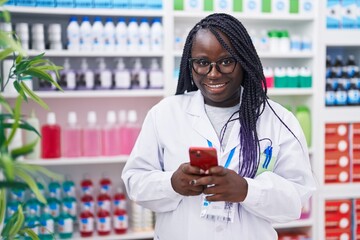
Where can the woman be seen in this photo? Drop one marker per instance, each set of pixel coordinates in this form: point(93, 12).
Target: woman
point(264, 175)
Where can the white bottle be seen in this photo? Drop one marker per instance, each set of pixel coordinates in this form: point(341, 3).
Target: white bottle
point(85, 34)
point(223, 5)
point(17, 140)
point(138, 75)
point(264, 44)
point(31, 136)
point(121, 35)
point(284, 41)
point(109, 35)
point(144, 34)
point(252, 6)
point(280, 7)
point(86, 79)
point(156, 35)
point(98, 35)
point(194, 5)
point(73, 34)
point(68, 76)
point(104, 75)
point(133, 35)
point(54, 36)
point(122, 75)
point(156, 79)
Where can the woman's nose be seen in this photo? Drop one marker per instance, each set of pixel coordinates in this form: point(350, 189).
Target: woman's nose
point(214, 73)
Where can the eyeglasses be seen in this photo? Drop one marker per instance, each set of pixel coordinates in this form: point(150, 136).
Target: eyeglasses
point(202, 66)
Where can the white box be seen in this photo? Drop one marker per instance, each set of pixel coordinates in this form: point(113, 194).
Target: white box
point(194, 5)
point(223, 5)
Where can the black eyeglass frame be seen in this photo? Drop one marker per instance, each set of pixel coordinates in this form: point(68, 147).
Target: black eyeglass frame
point(211, 64)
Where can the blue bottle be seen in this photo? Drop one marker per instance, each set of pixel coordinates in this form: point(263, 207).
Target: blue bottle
point(70, 203)
point(65, 224)
point(32, 222)
point(54, 205)
point(55, 187)
point(47, 225)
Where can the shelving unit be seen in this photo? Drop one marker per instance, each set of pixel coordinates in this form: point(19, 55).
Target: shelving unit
point(142, 100)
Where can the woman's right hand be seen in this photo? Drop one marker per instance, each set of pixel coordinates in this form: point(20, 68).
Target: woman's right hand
point(185, 177)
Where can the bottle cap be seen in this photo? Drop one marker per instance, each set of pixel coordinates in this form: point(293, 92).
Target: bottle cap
point(51, 118)
point(111, 117)
point(154, 64)
point(122, 116)
point(91, 117)
point(85, 19)
point(72, 118)
point(132, 116)
point(84, 64)
point(120, 65)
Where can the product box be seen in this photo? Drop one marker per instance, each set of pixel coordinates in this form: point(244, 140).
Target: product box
point(349, 13)
point(339, 129)
point(336, 175)
point(194, 5)
point(223, 5)
point(337, 221)
point(333, 15)
point(252, 6)
point(280, 7)
point(337, 159)
point(306, 7)
point(338, 206)
point(356, 126)
point(356, 173)
point(334, 143)
point(338, 234)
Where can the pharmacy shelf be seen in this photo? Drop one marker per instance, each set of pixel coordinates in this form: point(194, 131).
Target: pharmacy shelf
point(340, 191)
point(67, 53)
point(290, 91)
point(290, 55)
point(247, 17)
point(85, 11)
point(338, 114)
point(78, 160)
point(96, 93)
point(127, 236)
point(295, 224)
point(342, 38)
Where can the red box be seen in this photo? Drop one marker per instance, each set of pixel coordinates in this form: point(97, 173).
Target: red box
point(337, 221)
point(356, 157)
point(356, 142)
point(337, 159)
point(334, 143)
point(337, 234)
point(339, 129)
point(356, 173)
point(337, 175)
point(356, 128)
point(338, 206)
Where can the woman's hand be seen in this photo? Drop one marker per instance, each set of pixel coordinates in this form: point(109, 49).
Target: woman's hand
point(184, 178)
point(223, 185)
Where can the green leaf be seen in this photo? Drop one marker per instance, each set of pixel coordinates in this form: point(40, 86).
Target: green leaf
point(6, 52)
point(5, 104)
point(13, 184)
point(18, 59)
point(18, 223)
point(29, 232)
point(6, 14)
point(39, 169)
point(5, 233)
point(2, 205)
point(23, 150)
point(29, 180)
point(34, 97)
point(8, 166)
point(15, 126)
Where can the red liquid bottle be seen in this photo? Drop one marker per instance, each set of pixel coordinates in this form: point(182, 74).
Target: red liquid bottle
point(88, 201)
point(87, 185)
point(51, 138)
point(103, 223)
point(105, 183)
point(104, 200)
point(119, 199)
point(120, 221)
point(86, 226)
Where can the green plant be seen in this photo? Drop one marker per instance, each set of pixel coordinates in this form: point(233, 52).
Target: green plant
point(15, 174)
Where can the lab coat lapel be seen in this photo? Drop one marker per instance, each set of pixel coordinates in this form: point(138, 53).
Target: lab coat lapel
point(200, 121)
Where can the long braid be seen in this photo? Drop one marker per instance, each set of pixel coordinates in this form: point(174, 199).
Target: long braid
point(254, 93)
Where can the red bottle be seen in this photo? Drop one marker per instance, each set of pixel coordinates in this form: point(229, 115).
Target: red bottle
point(120, 221)
point(119, 199)
point(86, 226)
point(105, 183)
point(104, 200)
point(103, 223)
point(87, 185)
point(88, 201)
point(51, 138)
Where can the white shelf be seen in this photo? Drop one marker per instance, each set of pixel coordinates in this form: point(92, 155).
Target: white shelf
point(290, 91)
point(290, 55)
point(78, 161)
point(96, 93)
point(85, 11)
point(295, 224)
point(67, 53)
point(347, 114)
point(340, 191)
point(127, 236)
point(342, 37)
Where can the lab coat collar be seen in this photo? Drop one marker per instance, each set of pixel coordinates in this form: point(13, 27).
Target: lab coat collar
point(203, 126)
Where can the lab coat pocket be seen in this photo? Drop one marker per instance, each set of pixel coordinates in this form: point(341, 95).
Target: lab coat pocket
point(268, 158)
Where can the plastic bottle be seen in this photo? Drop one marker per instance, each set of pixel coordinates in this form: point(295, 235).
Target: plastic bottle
point(87, 200)
point(133, 35)
point(305, 77)
point(329, 95)
point(136, 217)
point(55, 187)
point(54, 205)
point(86, 184)
point(292, 74)
point(353, 95)
point(328, 66)
point(269, 77)
point(85, 79)
point(156, 79)
point(121, 35)
point(280, 78)
point(91, 137)
point(72, 137)
point(85, 34)
point(284, 41)
point(341, 95)
point(73, 34)
point(351, 66)
point(98, 35)
point(103, 223)
point(51, 138)
point(144, 35)
point(31, 136)
point(122, 76)
point(17, 138)
point(104, 200)
point(138, 75)
point(68, 186)
point(87, 223)
point(304, 117)
point(32, 204)
point(65, 224)
point(119, 199)
point(105, 183)
point(264, 44)
point(156, 35)
point(120, 221)
point(109, 135)
point(132, 131)
point(40, 186)
point(70, 203)
point(32, 222)
point(68, 76)
point(337, 67)
point(109, 35)
point(47, 225)
point(274, 41)
point(54, 36)
point(122, 122)
point(103, 77)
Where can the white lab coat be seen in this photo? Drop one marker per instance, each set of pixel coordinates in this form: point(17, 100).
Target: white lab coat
point(178, 122)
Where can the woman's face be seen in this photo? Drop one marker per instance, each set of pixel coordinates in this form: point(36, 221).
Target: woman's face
point(219, 89)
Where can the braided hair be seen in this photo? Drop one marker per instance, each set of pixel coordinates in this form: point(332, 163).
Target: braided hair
point(254, 94)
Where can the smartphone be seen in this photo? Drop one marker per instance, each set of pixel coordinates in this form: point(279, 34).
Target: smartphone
point(203, 157)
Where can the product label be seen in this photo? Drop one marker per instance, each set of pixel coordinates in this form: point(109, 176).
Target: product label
point(86, 224)
point(65, 226)
point(104, 224)
point(121, 222)
point(47, 227)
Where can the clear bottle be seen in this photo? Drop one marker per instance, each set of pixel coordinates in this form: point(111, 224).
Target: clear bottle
point(351, 66)
point(85, 78)
point(156, 79)
point(32, 203)
point(138, 75)
point(144, 35)
point(133, 35)
point(51, 138)
point(109, 135)
point(87, 186)
point(92, 137)
point(105, 183)
point(120, 221)
point(73, 34)
point(122, 122)
point(98, 35)
point(31, 136)
point(109, 35)
point(122, 78)
point(72, 137)
point(132, 131)
point(119, 199)
point(121, 35)
point(156, 35)
point(85, 34)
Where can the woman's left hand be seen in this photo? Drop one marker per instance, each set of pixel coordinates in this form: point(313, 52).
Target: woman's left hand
point(223, 185)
